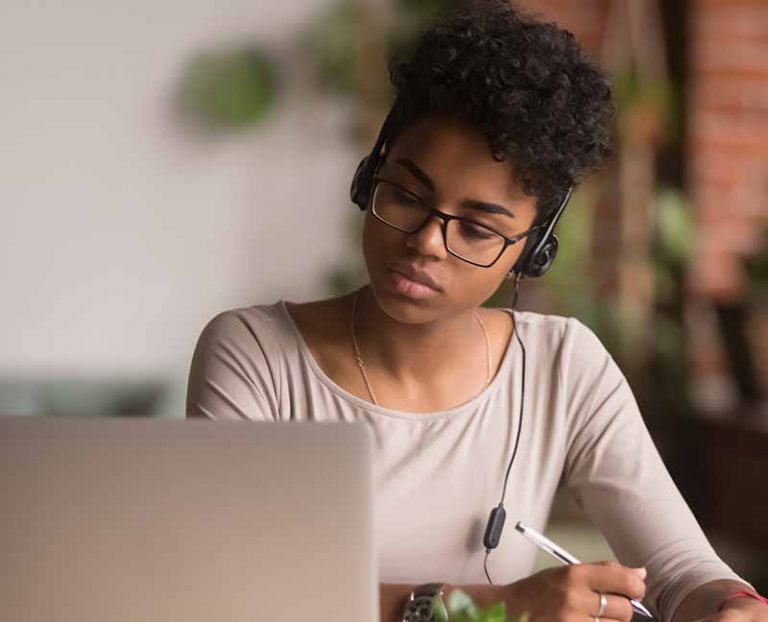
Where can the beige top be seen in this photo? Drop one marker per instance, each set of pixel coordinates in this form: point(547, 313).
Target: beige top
point(438, 475)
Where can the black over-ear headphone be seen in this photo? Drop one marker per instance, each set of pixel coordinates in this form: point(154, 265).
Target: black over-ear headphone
point(540, 247)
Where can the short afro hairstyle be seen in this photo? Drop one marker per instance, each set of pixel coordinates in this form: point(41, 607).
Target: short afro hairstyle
point(524, 83)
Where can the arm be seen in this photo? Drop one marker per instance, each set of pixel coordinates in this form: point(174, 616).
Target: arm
point(704, 601)
point(616, 475)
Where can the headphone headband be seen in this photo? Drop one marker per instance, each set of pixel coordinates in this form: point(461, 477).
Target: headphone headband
point(558, 213)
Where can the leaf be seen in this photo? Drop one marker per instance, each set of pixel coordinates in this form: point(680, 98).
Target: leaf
point(227, 89)
point(462, 607)
point(495, 613)
point(439, 612)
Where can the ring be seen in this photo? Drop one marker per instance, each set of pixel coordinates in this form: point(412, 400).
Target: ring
point(603, 605)
point(597, 619)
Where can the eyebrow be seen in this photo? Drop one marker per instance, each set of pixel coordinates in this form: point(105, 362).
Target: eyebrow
point(483, 206)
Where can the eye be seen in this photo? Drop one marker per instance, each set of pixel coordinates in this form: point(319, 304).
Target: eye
point(404, 198)
point(474, 231)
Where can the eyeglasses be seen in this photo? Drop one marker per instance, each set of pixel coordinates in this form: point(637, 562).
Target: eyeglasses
point(465, 239)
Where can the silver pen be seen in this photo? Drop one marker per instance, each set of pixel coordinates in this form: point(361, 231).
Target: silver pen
point(565, 557)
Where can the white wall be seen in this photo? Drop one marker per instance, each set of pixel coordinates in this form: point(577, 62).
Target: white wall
point(122, 233)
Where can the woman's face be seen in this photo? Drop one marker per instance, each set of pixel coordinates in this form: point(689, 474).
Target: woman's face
point(448, 164)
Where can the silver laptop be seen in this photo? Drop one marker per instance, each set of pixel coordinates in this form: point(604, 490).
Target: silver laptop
point(145, 520)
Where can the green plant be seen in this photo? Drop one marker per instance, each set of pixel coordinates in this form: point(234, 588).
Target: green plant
point(331, 47)
point(227, 89)
point(461, 608)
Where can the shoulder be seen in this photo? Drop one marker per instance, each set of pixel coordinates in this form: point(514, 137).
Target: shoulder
point(275, 327)
point(550, 328)
point(236, 365)
point(243, 330)
point(574, 358)
point(569, 343)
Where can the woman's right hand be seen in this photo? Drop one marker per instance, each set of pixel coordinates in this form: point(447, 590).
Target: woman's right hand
point(572, 593)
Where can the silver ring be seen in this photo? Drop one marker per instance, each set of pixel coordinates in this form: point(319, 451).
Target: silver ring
point(603, 605)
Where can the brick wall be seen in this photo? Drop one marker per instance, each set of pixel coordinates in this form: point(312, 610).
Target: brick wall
point(727, 154)
point(728, 139)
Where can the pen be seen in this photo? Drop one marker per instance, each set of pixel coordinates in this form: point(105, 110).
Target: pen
point(565, 557)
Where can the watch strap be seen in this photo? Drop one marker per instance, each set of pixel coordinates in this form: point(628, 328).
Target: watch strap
point(428, 589)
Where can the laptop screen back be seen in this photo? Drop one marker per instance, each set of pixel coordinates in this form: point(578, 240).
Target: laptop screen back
point(198, 521)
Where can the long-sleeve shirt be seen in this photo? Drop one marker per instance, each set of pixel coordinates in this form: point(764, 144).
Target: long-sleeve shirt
point(437, 475)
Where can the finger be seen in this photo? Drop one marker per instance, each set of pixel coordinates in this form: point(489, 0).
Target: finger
point(612, 563)
point(616, 607)
point(614, 580)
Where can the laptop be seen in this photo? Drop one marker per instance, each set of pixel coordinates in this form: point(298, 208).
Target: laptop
point(158, 520)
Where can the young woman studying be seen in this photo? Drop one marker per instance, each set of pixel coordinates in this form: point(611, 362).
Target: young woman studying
point(496, 119)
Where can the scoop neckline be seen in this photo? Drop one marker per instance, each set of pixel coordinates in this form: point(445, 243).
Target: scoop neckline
point(456, 411)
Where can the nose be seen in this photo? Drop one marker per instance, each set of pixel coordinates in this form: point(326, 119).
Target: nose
point(428, 240)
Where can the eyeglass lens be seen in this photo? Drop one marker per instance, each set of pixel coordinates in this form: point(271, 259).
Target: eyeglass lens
point(468, 240)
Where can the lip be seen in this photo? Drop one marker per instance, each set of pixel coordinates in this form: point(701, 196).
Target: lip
point(415, 274)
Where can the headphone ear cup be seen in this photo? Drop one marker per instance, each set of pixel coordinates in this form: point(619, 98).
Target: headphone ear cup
point(361, 184)
point(536, 257)
point(542, 260)
point(541, 247)
point(532, 242)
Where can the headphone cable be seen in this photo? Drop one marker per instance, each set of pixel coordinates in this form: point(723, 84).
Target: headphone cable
point(498, 514)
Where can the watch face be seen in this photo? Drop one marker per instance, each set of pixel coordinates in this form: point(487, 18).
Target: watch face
point(419, 610)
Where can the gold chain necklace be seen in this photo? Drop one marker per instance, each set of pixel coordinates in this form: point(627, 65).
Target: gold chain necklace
point(361, 363)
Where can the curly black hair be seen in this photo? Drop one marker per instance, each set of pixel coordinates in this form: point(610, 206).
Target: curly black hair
point(525, 83)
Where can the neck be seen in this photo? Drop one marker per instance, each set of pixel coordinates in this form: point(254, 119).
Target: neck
point(415, 352)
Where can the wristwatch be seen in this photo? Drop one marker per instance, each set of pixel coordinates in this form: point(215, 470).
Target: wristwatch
point(418, 607)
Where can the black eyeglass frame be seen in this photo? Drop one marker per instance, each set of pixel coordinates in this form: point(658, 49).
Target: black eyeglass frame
point(445, 218)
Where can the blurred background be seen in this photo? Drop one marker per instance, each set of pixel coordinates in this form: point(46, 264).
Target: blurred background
point(166, 161)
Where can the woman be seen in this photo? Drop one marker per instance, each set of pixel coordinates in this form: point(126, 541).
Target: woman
point(496, 117)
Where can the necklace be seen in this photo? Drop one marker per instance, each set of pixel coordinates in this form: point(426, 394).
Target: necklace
point(361, 363)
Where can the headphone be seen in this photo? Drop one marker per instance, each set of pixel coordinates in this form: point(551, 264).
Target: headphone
point(540, 247)
point(537, 256)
